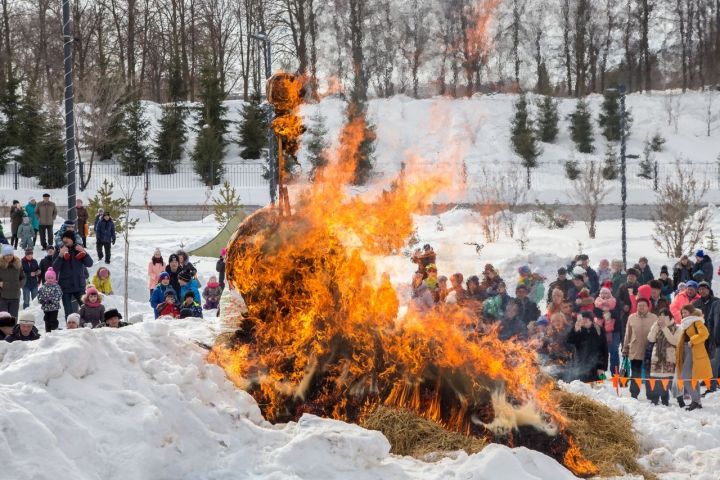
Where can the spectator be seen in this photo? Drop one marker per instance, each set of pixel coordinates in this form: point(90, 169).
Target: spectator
point(636, 339)
point(683, 271)
point(555, 353)
point(512, 324)
point(608, 317)
point(158, 295)
point(92, 311)
point(31, 269)
point(645, 274)
point(7, 323)
point(618, 276)
point(168, 308)
point(474, 291)
point(67, 226)
point(220, 267)
point(591, 350)
point(421, 300)
point(443, 284)
point(26, 234)
point(457, 295)
point(557, 298)
point(12, 279)
point(105, 235)
point(703, 263)
point(689, 295)
point(657, 301)
point(490, 280)
point(537, 286)
point(432, 281)
point(494, 307)
point(527, 310)
point(189, 284)
point(46, 212)
point(112, 320)
point(626, 296)
point(173, 269)
point(562, 283)
point(73, 321)
point(155, 268)
point(524, 276)
point(185, 264)
point(25, 330)
point(667, 285)
point(709, 305)
point(604, 272)
point(664, 336)
point(211, 294)
point(3, 240)
point(189, 307)
point(82, 221)
point(101, 281)
point(591, 276)
point(17, 213)
point(98, 217)
point(70, 266)
point(30, 209)
point(424, 257)
point(692, 360)
point(46, 262)
point(49, 297)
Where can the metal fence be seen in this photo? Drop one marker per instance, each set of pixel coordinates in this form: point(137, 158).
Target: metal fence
point(239, 175)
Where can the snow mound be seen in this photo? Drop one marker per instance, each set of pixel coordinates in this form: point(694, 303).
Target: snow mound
point(142, 403)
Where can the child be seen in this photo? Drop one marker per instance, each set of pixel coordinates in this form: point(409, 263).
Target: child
point(92, 310)
point(189, 308)
point(73, 321)
point(168, 308)
point(211, 294)
point(26, 234)
point(155, 267)
point(189, 284)
point(49, 297)
point(606, 304)
point(101, 280)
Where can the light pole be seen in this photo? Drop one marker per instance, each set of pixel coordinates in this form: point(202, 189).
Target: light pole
point(69, 114)
point(262, 38)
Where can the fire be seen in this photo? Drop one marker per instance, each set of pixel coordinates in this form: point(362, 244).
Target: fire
point(576, 462)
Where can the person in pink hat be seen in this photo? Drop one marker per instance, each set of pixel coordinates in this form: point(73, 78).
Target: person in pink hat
point(92, 311)
point(155, 268)
point(49, 297)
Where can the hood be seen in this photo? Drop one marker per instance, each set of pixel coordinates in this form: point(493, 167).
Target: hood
point(644, 292)
point(102, 269)
point(213, 284)
point(14, 262)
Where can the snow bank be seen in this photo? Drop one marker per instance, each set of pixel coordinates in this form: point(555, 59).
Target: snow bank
point(142, 403)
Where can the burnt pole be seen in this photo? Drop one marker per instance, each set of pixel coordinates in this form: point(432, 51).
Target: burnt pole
point(69, 110)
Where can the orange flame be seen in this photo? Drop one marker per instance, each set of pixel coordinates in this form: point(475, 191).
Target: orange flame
point(576, 461)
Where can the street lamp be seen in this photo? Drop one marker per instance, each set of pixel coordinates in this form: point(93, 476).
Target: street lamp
point(69, 114)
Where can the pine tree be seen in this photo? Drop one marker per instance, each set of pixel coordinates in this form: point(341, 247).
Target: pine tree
point(253, 128)
point(543, 86)
point(581, 128)
point(209, 150)
point(117, 207)
point(610, 166)
point(172, 135)
point(647, 164)
point(115, 131)
point(357, 124)
point(208, 156)
point(317, 143)
point(226, 204)
point(134, 155)
point(212, 111)
point(572, 171)
point(31, 127)
point(610, 116)
point(523, 137)
point(51, 170)
point(10, 106)
point(711, 242)
point(547, 119)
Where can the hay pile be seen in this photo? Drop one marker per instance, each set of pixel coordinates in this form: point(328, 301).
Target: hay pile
point(410, 434)
point(605, 436)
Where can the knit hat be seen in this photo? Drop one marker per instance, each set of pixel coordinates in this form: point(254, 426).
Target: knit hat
point(588, 315)
point(562, 271)
point(163, 275)
point(521, 286)
point(157, 252)
point(73, 318)
point(692, 284)
point(700, 254)
point(50, 275)
point(699, 276)
point(50, 247)
point(113, 312)
point(6, 320)
point(524, 270)
point(15, 202)
point(605, 290)
point(578, 271)
point(173, 256)
point(29, 251)
point(7, 250)
point(189, 293)
point(664, 269)
point(170, 293)
point(91, 290)
point(69, 223)
point(223, 251)
point(429, 268)
point(632, 271)
point(704, 284)
point(69, 234)
point(184, 276)
point(26, 318)
point(542, 321)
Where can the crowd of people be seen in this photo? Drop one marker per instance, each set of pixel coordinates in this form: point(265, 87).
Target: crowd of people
point(595, 320)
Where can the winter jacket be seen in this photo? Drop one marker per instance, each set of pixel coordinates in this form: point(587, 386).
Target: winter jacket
point(220, 269)
point(158, 296)
point(612, 325)
point(668, 288)
point(711, 311)
point(30, 211)
point(194, 287)
point(174, 277)
point(49, 297)
point(82, 219)
point(26, 234)
point(680, 300)
point(593, 281)
point(31, 269)
point(16, 215)
point(665, 340)
point(682, 273)
point(94, 314)
point(528, 310)
point(70, 270)
point(154, 271)
point(604, 275)
point(46, 211)
point(537, 292)
point(45, 263)
point(12, 277)
point(591, 353)
point(494, 307)
point(618, 279)
point(706, 267)
point(211, 294)
point(105, 231)
point(636, 335)
point(16, 336)
point(646, 274)
point(193, 311)
point(103, 285)
point(513, 327)
point(167, 309)
point(626, 297)
point(59, 234)
point(422, 300)
point(695, 334)
point(564, 285)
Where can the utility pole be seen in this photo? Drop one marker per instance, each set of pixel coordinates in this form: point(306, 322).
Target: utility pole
point(623, 173)
point(69, 113)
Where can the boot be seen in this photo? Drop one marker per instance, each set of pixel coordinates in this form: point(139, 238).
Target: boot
point(681, 402)
point(693, 406)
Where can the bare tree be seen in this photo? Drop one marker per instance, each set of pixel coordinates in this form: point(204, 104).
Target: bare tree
point(498, 196)
point(680, 220)
point(589, 190)
point(127, 186)
point(710, 115)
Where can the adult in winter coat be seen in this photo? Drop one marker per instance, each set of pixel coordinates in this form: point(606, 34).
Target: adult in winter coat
point(101, 281)
point(511, 324)
point(709, 305)
point(667, 286)
point(92, 310)
point(173, 269)
point(664, 335)
point(46, 262)
point(591, 277)
point(7, 324)
point(591, 350)
point(645, 274)
point(158, 294)
point(82, 221)
point(17, 212)
point(626, 295)
point(70, 265)
point(105, 235)
point(26, 234)
point(691, 358)
point(683, 271)
point(636, 340)
point(689, 295)
point(537, 286)
point(220, 268)
point(490, 280)
point(12, 279)
point(25, 330)
point(46, 212)
point(528, 310)
point(703, 263)
point(31, 269)
point(98, 217)
point(619, 277)
point(604, 272)
point(155, 268)
point(67, 226)
point(494, 308)
point(562, 283)
point(30, 212)
point(189, 284)
point(185, 264)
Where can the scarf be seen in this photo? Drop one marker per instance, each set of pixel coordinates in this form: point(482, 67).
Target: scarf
point(92, 304)
point(687, 321)
point(159, 260)
point(662, 345)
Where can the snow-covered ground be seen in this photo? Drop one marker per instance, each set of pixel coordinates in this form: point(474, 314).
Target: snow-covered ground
point(142, 403)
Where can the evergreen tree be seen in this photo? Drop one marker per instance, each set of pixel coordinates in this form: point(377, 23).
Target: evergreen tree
point(548, 119)
point(317, 143)
point(115, 131)
point(212, 111)
point(51, 170)
point(171, 136)
point(32, 127)
point(363, 156)
point(609, 118)
point(581, 127)
point(208, 156)
point(647, 164)
point(543, 86)
point(523, 137)
point(253, 128)
point(134, 156)
point(116, 207)
point(572, 171)
point(226, 204)
point(10, 107)
point(209, 150)
point(610, 166)
point(657, 143)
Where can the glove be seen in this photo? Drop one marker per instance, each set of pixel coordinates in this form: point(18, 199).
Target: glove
point(113, 241)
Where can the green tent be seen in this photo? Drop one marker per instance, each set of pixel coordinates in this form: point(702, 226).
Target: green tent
point(213, 247)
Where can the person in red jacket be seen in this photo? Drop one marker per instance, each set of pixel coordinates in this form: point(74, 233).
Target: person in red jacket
point(169, 307)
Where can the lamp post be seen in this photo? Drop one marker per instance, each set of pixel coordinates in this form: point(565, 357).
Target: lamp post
point(262, 38)
point(69, 114)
